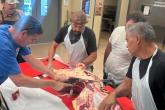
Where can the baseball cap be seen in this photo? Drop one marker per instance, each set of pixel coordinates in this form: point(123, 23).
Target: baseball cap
point(12, 1)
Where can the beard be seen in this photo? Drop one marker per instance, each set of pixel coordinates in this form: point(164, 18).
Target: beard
point(76, 33)
point(11, 12)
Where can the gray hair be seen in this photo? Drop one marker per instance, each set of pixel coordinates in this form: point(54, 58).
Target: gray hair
point(136, 17)
point(30, 24)
point(142, 29)
point(78, 16)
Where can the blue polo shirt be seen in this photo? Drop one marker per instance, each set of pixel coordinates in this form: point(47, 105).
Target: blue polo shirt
point(8, 51)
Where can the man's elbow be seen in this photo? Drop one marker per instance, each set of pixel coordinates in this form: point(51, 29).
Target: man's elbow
point(94, 56)
point(18, 80)
point(17, 83)
point(54, 45)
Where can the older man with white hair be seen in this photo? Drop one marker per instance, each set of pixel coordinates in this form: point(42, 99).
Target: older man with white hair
point(116, 56)
point(145, 79)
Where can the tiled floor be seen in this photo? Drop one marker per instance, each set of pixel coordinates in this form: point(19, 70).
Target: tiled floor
point(41, 50)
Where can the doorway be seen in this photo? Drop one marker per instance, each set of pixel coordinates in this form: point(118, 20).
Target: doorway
point(109, 17)
point(47, 12)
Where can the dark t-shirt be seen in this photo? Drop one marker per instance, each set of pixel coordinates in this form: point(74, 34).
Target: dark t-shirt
point(156, 77)
point(88, 36)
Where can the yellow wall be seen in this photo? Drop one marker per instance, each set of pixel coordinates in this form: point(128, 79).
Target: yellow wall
point(97, 27)
point(64, 10)
point(123, 12)
point(76, 5)
point(110, 2)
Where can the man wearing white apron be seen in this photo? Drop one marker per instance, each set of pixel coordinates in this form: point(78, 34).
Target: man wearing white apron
point(145, 79)
point(80, 42)
point(117, 57)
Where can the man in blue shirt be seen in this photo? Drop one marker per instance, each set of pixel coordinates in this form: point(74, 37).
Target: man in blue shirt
point(15, 38)
point(9, 15)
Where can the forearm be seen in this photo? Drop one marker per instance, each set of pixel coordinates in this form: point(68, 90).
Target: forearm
point(38, 65)
point(107, 52)
point(51, 52)
point(123, 89)
point(21, 80)
point(90, 59)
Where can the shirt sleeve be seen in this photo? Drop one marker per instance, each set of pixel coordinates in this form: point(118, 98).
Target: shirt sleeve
point(24, 51)
point(113, 38)
point(61, 34)
point(129, 73)
point(91, 43)
point(117, 34)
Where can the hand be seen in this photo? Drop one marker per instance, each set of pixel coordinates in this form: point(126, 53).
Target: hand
point(60, 77)
point(50, 65)
point(108, 103)
point(59, 86)
point(81, 65)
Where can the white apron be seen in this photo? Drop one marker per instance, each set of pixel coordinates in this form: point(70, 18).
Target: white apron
point(141, 93)
point(30, 98)
point(77, 51)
